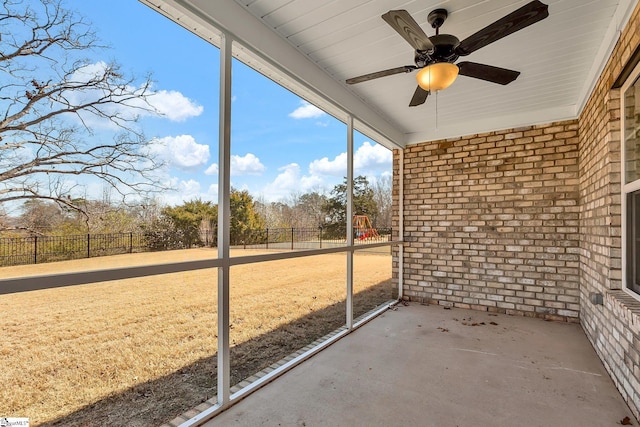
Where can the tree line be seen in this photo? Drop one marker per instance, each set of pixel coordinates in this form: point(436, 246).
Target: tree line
point(194, 223)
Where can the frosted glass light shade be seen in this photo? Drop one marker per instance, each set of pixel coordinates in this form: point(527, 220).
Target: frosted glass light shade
point(437, 76)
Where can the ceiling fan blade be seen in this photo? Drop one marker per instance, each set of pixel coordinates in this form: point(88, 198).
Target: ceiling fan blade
point(528, 14)
point(408, 28)
point(384, 73)
point(419, 97)
point(487, 72)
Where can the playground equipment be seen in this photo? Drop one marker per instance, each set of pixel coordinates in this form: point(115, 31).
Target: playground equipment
point(362, 228)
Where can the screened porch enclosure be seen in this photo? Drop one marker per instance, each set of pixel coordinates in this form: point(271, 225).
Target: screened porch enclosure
point(503, 290)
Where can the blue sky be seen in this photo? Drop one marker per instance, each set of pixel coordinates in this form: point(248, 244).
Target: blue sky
point(281, 145)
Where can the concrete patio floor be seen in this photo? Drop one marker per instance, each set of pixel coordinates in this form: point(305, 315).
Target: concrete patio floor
point(427, 366)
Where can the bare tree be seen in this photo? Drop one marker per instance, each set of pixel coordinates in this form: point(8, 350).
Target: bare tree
point(4, 219)
point(311, 209)
point(55, 105)
point(382, 189)
point(40, 217)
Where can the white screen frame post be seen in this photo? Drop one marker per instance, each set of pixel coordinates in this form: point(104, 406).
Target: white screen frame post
point(224, 221)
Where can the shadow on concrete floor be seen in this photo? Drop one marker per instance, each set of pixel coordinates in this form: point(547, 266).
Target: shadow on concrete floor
point(428, 366)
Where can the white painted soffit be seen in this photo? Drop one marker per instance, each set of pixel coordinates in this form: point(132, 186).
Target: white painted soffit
point(262, 49)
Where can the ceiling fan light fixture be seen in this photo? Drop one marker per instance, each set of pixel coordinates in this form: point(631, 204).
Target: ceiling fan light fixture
point(438, 76)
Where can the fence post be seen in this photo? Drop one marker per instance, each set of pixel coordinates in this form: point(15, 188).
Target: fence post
point(130, 242)
point(292, 231)
point(35, 249)
point(267, 239)
point(88, 245)
point(320, 236)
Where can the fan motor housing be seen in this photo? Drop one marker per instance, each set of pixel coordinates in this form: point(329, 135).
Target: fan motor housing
point(444, 50)
point(444, 45)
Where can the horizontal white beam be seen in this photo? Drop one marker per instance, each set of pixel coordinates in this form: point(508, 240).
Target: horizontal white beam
point(35, 283)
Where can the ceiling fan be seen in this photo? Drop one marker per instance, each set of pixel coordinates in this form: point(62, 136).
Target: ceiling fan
point(435, 56)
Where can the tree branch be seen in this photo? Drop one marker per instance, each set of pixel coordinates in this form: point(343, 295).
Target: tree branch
point(50, 97)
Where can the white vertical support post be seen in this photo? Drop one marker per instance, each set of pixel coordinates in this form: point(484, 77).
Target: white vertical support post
point(224, 214)
point(350, 222)
point(401, 223)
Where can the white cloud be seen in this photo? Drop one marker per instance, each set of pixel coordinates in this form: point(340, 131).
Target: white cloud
point(247, 165)
point(212, 170)
point(171, 104)
point(89, 71)
point(306, 111)
point(185, 190)
point(290, 180)
point(181, 151)
point(372, 157)
point(324, 166)
point(189, 188)
point(16, 156)
point(367, 159)
point(371, 160)
point(174, 105)
point(287, 179)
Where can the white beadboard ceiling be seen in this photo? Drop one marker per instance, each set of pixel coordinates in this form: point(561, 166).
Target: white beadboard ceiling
point(319, 44)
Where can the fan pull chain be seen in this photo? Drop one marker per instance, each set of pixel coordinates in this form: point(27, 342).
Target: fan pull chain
point(437, 109)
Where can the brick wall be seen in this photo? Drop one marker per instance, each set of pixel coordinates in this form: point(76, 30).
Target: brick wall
point(492, 221)
point(614, 327)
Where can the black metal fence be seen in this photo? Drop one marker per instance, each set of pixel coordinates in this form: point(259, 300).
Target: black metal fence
point(41, 249)
point(304, 238)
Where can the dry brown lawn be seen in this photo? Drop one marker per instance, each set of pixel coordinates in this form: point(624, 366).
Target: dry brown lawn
point(139, 352)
